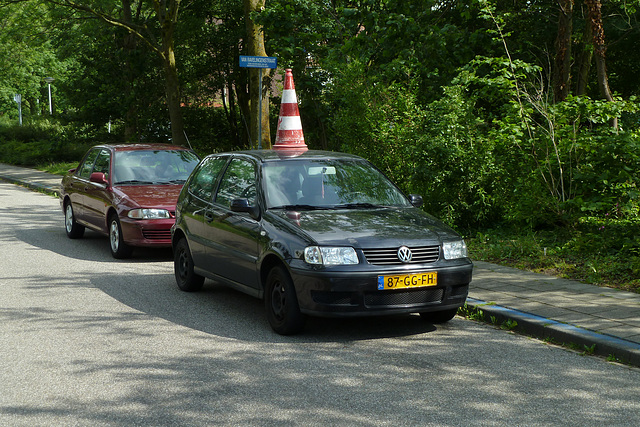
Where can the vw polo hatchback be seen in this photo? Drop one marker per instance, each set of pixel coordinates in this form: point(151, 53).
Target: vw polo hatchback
point(320, 233)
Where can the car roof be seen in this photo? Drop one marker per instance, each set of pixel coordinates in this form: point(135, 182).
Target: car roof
point(141, 147)
point(275, 155)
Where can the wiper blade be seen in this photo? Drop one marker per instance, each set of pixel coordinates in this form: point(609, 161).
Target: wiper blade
point(133, 181)
point(299, 207)
point(173, 181)
point(358, 206)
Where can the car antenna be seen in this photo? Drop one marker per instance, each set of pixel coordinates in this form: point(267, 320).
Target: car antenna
point(187, 138)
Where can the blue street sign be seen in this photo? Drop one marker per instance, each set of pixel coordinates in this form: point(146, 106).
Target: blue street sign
point(258, 61)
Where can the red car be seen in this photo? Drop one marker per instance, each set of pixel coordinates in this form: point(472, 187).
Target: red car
point(127, 192)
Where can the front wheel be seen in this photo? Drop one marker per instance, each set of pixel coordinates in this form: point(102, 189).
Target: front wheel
point(186, 278)
point(119, 249)
point(73, 229)
point(281, 303)
point(439, 316)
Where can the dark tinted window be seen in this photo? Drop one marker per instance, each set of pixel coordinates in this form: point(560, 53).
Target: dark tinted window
point(238, 181)
point(203, 181)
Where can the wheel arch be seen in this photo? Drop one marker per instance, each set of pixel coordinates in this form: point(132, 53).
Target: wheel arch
point(66, 201)
point(177, 235)
point(269, 262)
point(111, 211)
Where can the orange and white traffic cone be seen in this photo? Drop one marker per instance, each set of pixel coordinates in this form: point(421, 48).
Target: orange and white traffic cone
point(289, 136)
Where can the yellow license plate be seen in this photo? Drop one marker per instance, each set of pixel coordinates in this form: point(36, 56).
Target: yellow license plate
point(402, 281)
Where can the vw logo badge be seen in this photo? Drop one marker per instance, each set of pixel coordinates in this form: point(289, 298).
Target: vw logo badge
point(404, 254)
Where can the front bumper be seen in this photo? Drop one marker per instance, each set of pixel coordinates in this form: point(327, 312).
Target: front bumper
point(341, 293)
point(147, 232)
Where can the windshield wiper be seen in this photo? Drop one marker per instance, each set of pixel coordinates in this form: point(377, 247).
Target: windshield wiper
point(358, 206)
point(299, 207)
point(134, 181)
point(173, 181)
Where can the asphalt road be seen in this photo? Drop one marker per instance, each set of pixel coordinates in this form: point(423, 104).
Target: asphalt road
point(86, 340)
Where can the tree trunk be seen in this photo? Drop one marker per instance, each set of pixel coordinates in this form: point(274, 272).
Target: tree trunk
point(600, 50)
point(255, 47)
point(584, 62)
point(562, 72)
point(167, 13)
point(173, 98)
point(129, 45)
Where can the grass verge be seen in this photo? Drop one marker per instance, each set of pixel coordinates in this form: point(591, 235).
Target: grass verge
point(606, 255)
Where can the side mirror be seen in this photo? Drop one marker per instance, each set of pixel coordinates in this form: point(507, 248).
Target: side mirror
point(99, 178)
point(416, 200)
point(242, 205)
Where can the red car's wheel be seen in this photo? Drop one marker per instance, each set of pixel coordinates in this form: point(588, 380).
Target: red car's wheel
point(73, 229)
point(119, 249)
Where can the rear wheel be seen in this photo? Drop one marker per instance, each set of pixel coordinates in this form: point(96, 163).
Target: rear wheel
point(186, 279)
point(119, 249)
point(73, 229)
point(281, 303)
point(439, 316)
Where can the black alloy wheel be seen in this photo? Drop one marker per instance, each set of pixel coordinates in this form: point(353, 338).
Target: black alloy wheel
point(186, 278)
point(281, 303)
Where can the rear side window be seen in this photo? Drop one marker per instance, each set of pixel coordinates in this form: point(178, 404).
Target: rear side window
point(204, 179)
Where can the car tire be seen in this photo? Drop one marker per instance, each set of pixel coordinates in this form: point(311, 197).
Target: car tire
point(73, 229)
point(186, 278)
point(281, 303)
point(119, 249)
point(439, 316)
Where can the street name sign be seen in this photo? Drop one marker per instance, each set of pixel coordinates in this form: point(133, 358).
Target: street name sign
point(258, 61)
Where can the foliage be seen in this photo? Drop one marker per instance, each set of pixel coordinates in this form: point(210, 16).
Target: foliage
point(605, 253)
point(452, 100)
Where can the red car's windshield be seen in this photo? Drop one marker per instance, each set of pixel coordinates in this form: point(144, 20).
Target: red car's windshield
point(153, 166)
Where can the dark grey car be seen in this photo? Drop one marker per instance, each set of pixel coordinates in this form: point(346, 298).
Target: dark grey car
point(321, 233)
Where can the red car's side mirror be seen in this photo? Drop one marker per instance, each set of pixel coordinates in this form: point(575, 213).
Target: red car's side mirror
point(99, 178)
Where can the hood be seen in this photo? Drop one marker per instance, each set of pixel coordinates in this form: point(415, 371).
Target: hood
point(384, 227)
point(150, 196)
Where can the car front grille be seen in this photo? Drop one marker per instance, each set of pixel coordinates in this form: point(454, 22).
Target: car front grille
point(389, 256)
point(403, 298)
point(157, 234)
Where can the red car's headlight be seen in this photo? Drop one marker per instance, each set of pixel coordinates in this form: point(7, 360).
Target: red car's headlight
point(149, 214)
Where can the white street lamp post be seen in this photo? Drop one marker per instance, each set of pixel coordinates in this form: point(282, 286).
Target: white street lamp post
point(49, 80)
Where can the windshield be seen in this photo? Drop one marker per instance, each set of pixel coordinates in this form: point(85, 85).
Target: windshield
point(153, 166)
point(328, 184)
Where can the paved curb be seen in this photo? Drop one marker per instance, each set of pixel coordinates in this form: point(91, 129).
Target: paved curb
point(541, 327)
point(32, 186)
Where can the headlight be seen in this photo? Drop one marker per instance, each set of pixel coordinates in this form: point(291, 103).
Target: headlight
point(330, 256)
point(454, 250)
point(148, 214)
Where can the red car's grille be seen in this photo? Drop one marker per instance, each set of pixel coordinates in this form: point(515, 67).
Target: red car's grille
point(157, 234)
